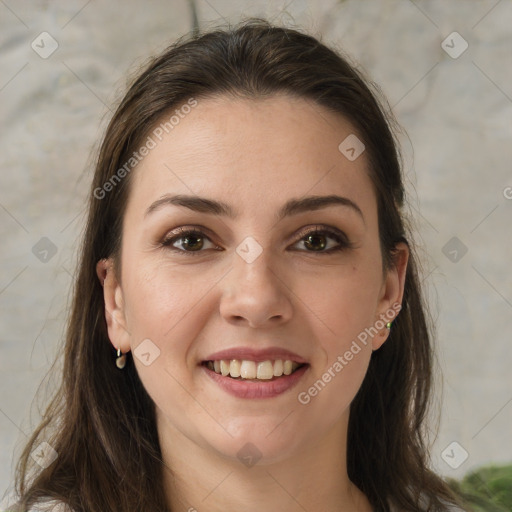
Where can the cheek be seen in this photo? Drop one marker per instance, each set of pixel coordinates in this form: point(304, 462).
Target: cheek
point(169, 305)
point(157, 315)
point(342, 306)
point(344, 350)
point(160, 297)
point(165, 305)
point(343, 301)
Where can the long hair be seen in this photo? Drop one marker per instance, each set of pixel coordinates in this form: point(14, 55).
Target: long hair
point(102, 422)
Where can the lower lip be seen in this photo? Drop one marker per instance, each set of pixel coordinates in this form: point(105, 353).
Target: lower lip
point(257, 388)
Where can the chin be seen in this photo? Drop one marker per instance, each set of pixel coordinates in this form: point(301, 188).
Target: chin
point(262, 444)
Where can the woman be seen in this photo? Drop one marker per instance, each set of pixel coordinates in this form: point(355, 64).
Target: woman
point(247, 328)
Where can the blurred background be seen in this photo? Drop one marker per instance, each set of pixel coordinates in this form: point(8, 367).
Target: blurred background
point(446, 70)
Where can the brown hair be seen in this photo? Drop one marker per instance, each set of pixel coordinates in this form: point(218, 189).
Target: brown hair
point(102, 422)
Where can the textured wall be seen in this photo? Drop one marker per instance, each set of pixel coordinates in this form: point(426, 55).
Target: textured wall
point(455, 103)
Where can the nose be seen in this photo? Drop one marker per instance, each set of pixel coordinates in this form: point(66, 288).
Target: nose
point(255, 294)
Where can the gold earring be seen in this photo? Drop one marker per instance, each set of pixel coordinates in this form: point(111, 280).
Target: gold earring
point(121, 359)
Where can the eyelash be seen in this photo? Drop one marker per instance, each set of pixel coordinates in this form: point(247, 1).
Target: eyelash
point(342, 240)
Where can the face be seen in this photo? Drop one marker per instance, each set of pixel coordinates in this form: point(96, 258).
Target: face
point(273, 255)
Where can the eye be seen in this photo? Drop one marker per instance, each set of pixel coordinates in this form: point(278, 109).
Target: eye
point(319, 239)
point(323, 240)
point(188, 240)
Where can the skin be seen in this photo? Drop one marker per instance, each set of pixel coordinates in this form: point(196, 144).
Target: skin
point(253, 155)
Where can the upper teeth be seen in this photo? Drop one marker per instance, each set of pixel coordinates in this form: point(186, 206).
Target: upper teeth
point(252, 369)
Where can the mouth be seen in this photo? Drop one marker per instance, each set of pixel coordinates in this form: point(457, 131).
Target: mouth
point(248, 379)
point(248, 370)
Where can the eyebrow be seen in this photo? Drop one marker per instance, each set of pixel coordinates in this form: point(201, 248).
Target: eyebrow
point(292, 207)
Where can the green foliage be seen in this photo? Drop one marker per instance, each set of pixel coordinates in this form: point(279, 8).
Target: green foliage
point(486, 489)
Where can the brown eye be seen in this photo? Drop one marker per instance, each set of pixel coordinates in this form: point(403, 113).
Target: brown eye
point(188, 241)
point(322, 240)
point(315, 242)
point(192, 242)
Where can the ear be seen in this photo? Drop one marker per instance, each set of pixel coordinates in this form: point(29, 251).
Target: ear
point(114, 305)
point(392, 292)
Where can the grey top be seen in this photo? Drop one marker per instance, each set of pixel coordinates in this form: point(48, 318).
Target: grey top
point(46, 506)
point(57, 506)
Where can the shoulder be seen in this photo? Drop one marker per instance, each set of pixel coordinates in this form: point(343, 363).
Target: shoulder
point(51, 506)
point(44, 506)
point(449, 507)
point(453, 508)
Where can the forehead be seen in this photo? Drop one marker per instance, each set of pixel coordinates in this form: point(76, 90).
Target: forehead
point(252, 153)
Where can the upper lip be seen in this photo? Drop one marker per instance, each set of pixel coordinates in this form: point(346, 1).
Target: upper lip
point(257, 355)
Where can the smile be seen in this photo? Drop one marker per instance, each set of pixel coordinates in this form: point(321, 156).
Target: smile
point(246, 369)
point(251, 379)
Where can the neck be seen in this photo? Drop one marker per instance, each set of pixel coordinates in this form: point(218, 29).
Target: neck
point(197, 478)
